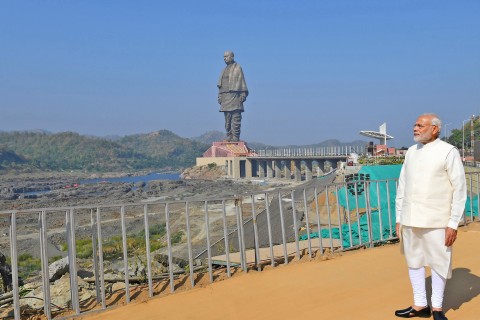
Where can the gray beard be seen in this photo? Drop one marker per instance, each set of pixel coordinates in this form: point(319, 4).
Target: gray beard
point(422, 139)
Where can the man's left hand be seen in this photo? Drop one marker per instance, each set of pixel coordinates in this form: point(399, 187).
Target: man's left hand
point(450, 236)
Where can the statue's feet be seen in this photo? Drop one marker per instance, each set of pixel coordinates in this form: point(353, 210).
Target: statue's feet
point(234, 139)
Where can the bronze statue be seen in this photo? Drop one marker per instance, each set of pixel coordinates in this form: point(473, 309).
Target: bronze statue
point(232, 92)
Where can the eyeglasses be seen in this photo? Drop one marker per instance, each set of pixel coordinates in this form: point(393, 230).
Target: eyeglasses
point(421, 126)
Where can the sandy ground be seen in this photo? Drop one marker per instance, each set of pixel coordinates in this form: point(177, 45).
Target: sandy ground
point(365, 284)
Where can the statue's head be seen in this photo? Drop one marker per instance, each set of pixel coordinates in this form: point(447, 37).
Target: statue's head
point(228, 57)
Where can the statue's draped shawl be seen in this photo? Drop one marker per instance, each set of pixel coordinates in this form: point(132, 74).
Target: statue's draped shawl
point(236, 80)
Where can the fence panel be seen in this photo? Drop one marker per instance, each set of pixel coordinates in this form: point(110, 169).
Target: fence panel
point(158, 244)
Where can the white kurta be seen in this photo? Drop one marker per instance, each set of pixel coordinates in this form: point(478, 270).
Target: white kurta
point(431, 174)
point(421, 247)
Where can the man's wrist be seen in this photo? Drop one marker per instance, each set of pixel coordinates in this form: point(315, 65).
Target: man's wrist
point(452, 225)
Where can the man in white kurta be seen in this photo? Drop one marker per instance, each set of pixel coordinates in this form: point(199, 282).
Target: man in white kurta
point(430, 202)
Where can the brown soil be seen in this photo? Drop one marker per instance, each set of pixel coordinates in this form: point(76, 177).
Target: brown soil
point(364, 284)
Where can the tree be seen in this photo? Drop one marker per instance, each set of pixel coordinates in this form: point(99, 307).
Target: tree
point(456, 138)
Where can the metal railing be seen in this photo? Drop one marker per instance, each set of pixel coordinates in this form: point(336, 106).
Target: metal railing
point(212, 236)
point(311, 152)
point(475, 164)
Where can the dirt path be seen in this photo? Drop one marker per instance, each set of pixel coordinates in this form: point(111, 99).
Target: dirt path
point(366, 284)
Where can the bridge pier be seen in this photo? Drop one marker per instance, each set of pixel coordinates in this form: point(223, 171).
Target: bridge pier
point(269, 164)
point(298, 170)
point(333, 164)
point(278, 169)
point(288, 171)
point(230, 167)
point(262, 164)
point(248, 169)
point(308, 170)
point(282, 168)
point(321, 166)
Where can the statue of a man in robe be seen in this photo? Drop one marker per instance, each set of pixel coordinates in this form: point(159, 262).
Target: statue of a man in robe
point(232, 92)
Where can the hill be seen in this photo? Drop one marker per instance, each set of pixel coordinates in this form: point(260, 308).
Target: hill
point(165, 149)
point(71, 151)
point(43, 150)
point(67, 151)
point(209, 137)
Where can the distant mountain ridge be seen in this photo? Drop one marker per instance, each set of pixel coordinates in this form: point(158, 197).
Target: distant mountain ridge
point(337, 143)
point(43, 150)
point(209, 137)
point(72, 151)
point(213, 136)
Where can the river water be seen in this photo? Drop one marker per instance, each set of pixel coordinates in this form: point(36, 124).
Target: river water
point(135, 179)
point(128, 179)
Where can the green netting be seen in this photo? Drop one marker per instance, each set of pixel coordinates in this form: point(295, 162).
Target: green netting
point(364, 232)
point(348, 200)
point(474, 206)
point(379, 207)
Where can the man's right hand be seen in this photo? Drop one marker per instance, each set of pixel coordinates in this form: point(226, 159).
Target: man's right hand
point(450, 236)
point(397, 229)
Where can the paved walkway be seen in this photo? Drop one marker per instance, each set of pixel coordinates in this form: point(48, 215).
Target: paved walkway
point(365, 284)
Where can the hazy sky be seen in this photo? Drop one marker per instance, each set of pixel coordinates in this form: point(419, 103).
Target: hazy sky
point(315, 70)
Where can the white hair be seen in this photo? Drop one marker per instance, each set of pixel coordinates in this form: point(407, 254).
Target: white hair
point(435, 120)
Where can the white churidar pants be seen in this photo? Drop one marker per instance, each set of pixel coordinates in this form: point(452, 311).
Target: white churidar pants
point(417, 278)
point(426, 247)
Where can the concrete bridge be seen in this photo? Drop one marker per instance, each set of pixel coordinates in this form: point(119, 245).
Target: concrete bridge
point(284, 163)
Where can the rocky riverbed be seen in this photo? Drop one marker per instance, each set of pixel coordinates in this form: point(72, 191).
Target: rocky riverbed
point(56, 190)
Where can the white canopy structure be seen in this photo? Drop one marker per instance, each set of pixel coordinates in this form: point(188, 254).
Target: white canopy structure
point(381, 134)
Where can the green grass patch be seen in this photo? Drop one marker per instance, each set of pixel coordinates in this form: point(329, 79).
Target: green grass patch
point(54, 258)
point(113, 246)
point(177, 237)
point(27, 265)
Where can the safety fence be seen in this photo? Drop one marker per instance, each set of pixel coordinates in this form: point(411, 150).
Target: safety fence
point(311, 151)
point(163, 246)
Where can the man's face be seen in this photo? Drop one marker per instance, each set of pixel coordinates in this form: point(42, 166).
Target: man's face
point(423, 130)
point(228, 57)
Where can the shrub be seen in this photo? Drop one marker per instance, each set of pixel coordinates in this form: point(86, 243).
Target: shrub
point(212, 165)
point(28, 265)
point(84, 248)
point(177, 237)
